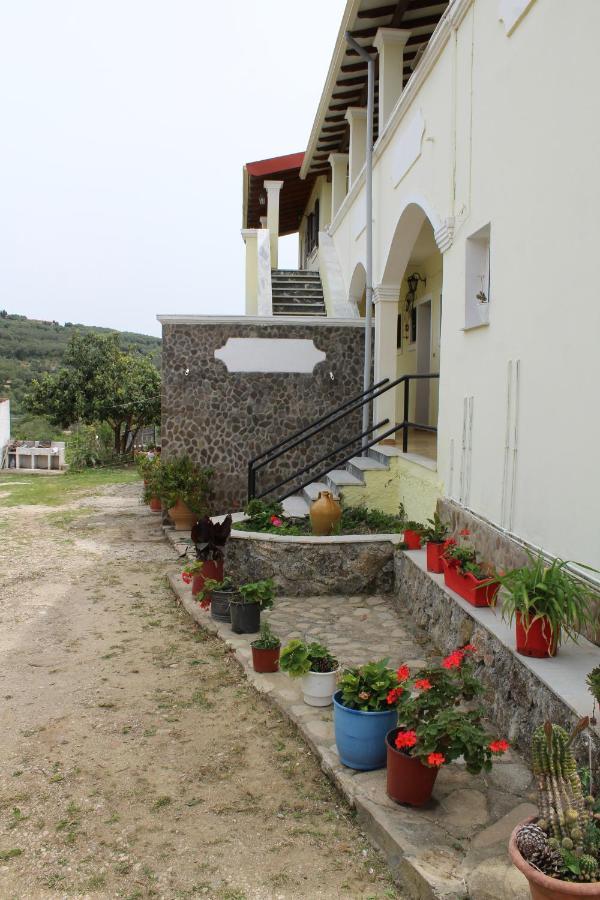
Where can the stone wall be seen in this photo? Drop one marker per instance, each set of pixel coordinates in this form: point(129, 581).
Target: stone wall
point(223, 419)
point(307, 567)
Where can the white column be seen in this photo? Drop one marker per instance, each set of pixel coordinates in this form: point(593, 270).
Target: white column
point(273, 189)
point(386, 301)
point(249, 235)
point(390, 43)
point(339, 180)
point(357, 116)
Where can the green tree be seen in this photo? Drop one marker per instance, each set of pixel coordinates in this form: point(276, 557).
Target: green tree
point(99, 382)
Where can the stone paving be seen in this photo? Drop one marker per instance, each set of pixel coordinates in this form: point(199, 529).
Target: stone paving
point(457, 846)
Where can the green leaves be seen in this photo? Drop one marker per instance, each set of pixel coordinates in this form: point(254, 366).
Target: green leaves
point(299, 658)
point(181, 479)
point(367, 687)
point(262, 592)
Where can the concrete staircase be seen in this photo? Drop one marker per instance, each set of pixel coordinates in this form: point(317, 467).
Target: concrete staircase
point(352, 477)
point(297, 293)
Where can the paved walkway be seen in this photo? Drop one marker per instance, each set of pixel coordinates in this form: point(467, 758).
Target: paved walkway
point(458, 846)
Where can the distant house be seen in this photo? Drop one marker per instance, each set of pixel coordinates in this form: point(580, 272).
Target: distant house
point(485, 206)
point(4, 426)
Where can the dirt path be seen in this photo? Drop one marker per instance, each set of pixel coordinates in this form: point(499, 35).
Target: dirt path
point(135, 760)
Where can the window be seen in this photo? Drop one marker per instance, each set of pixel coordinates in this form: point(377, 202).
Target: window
point(399, 332)
point(477, 283)
point(312, 230)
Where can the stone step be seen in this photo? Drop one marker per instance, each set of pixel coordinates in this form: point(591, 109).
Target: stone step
point(311, 491)
point(300, 291)
point(294, 273)
point(297, 505)
point(341, 478)
point(300, 313)
point(358, 465)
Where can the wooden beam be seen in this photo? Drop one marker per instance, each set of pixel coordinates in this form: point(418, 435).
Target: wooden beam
point(398, 13)
point(335, 118)
point(354, 67)
point(330, 129)
point(345, 95)
point(343, 82)
point(377, 13)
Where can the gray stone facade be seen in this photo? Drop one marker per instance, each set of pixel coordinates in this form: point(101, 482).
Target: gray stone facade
point(222, 419)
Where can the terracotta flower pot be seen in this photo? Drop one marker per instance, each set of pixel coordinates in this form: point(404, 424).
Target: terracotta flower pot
point(325, 513)
point(211, 569)
point(265, 660)
point(412, 539)
point(155, 504)
point(477, 592)
point(434, 556)
point(538, 641)
point(182, 516)
point(408, 780)
point(541, 886)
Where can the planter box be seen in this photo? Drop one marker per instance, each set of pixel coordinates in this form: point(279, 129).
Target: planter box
point(434, 557)
point(412, 539)
point(408, 780)
point(211, 570)
point(474, 591)
point(265, 660)
point(543, 887)
point(538, 641)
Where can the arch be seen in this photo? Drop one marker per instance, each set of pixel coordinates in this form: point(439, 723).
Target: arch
point(358, 285)
point(412, 218)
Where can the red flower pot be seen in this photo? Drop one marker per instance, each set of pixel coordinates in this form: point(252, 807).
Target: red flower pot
point(412, 539)
point(434, 557)
point(541, 886)
point(211, 569)
point(477, 592)
point(408, 780)
point(155, 504)
point(265, 660)
point(538, 641)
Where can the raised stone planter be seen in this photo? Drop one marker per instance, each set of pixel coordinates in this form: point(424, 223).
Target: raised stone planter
point(348, 564)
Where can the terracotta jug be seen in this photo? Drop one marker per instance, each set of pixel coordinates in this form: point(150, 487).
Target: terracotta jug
point(182, 516)
point(325, 513)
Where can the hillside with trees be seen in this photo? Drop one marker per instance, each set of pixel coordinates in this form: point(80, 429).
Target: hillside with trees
point(30, 348)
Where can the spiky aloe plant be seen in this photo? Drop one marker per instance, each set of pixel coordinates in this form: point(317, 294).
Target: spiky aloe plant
point(593, 683)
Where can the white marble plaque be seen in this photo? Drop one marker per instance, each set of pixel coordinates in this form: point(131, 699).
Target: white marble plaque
point(270, 355)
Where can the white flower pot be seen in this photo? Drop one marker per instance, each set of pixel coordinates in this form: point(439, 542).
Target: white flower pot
point(319, 687)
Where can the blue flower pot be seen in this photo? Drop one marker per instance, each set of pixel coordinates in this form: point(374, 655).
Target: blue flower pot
point(360, 736)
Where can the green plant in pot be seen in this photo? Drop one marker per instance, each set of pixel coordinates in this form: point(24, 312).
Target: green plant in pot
point(413, 532)
point(474, 581)
point(547, 603)
point(559, 851)
point(217, 595)
point(185, 490)
point(435, 535)
point(315, 665)
point(251, 599)
point(364, 710)
point(439, 720)
point(150, 471)
point(265, 650)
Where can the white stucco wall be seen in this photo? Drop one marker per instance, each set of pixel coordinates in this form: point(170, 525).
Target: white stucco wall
point(4, 425)
point(505, 131)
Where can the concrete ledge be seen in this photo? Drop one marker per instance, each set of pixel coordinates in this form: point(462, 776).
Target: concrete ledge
point(523, 692)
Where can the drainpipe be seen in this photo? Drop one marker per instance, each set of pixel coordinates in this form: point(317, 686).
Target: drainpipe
point(369, 192)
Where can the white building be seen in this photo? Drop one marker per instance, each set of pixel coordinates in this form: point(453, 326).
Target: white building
point(4, 426)
point(485, 186)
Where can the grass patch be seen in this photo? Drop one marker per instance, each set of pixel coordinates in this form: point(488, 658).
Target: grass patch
point(54, 490)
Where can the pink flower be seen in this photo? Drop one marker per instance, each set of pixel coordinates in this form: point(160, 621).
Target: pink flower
point(276, 521)
point(405, 739)
point(423, 684)
point(403, 673)
point(499, 746)
point(436, 759)
point(453, 660)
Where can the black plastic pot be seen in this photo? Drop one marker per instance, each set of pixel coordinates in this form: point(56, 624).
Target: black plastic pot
point(245, 618)
point(219, 605)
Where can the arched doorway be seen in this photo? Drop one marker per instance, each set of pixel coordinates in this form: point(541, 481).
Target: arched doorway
point(358, 290)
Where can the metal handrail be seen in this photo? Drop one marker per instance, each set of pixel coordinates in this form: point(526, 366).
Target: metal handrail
point(331, 412)
point(375, 391)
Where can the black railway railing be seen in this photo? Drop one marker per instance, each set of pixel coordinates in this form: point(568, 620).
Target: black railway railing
point(365, 438)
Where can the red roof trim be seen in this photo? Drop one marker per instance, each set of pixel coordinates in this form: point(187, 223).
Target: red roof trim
point(276, 164)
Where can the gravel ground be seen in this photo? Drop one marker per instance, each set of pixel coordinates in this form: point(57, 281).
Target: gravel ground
point(136, 761)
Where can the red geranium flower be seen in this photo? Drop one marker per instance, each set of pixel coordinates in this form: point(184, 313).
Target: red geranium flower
point(453, 660)
point(394, 695)
point(186, 577)
point(276, 521)
point(436, 759)
point(423, 684)
point(405, 739)
point(470, 648)
point(403, 673)
point(465, 532)
point(204, 604)
point(499, 746)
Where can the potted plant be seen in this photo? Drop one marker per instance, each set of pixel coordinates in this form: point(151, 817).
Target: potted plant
point(463, 573)
point(248, 603)
point(317, 668)
point(435, 535)
point(559, 852)
point(439, 720)
point(209, 539)
point(218, 595)
point(413, 532)
point(149, 469)
point(265, 650)
point(547, 602)
point(184, 488)
point(365, 709)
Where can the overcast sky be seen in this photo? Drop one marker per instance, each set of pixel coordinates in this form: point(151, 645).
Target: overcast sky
point(125, 126)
